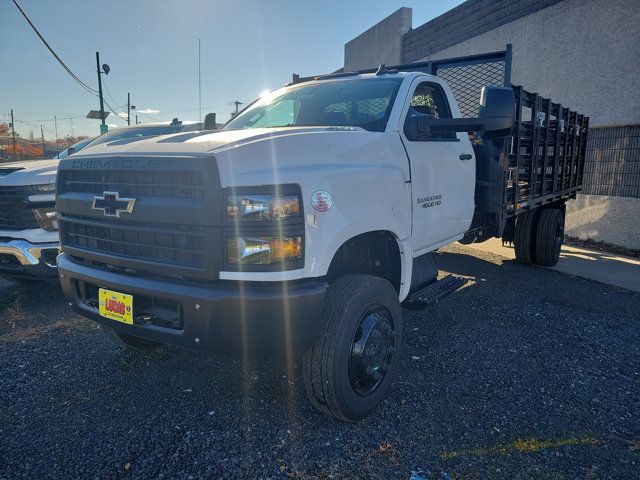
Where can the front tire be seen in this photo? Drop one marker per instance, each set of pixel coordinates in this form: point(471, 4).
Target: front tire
point(129, 341)
point(348, 370)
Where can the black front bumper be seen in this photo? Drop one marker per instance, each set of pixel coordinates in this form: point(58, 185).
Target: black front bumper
point(227, 316)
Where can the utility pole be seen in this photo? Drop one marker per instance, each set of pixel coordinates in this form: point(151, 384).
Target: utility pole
point(237, 104)
point(103, 126)
point(128, 108)
point(136, 119)
point(42, 135)
point(13, 133)
point(55, 123)
point(199, 85)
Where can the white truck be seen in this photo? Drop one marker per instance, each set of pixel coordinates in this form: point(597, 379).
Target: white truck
point(29, 241)
point(28, 225)
point(304, 224)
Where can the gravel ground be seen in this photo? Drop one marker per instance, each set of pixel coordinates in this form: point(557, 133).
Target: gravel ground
point(526, 373)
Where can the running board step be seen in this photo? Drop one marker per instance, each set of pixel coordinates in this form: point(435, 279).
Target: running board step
point(434, 292)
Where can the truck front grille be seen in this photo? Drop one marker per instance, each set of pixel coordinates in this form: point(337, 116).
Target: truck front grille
point(14, 212)
point(137, 183)
point(167, 243)
point(174, 227)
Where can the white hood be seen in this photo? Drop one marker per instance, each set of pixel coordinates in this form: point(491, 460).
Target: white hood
point(30, 172)
point(200, 142)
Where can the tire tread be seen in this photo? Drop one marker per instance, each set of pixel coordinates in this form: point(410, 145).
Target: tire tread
point(318, 371)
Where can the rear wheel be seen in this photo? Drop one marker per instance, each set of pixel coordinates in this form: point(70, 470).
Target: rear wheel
point(525, 239)
point(549, 237)
point(129, 341)
point(348, 370)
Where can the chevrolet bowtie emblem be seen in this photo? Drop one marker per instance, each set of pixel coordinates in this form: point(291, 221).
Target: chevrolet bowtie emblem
point(112, 205)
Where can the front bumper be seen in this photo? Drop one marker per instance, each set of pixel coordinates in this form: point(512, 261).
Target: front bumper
point(21, 258)
point(248, 318)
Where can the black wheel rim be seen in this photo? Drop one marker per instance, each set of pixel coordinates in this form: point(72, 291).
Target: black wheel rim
point(372, 349)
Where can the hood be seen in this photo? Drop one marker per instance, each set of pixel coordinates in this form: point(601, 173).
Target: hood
point(201, 142)
point(31, 172)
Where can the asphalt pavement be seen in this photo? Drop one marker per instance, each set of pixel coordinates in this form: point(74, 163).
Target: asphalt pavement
point(525, 373)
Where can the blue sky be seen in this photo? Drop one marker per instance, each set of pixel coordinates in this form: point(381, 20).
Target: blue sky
point(248, 46)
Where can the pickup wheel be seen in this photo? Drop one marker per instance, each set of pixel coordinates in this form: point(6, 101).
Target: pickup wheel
point(549, 237)
point(525, 239)
point(128, 341)
point(348, 370)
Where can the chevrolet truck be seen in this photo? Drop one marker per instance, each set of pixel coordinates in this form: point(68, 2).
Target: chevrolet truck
point(304, 224)
point(29, 241)
point(28, 225)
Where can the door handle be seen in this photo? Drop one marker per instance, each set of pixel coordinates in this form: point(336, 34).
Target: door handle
point(465, 156)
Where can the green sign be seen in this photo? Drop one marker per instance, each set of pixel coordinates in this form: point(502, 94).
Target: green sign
point(104, 128)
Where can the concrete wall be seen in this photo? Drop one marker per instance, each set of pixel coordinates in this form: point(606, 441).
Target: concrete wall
point(382, 43)
point(467, 20)
point(581, 53)
point(612, 220)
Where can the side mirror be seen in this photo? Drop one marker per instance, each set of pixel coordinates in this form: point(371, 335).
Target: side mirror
point(210, 121)
point(497, 114)
point(497, 111)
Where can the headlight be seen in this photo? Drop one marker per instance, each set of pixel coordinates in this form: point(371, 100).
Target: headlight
point(259, 208)
point(47, 218)
point(45, 192)
point(263, 250)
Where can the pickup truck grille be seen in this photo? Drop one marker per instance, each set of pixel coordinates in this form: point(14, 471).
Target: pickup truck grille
point(14, 213)
point(174, 227)
point(137, 183)
point(168, 243)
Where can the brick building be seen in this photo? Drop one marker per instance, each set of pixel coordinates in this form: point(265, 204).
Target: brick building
point(582, 53)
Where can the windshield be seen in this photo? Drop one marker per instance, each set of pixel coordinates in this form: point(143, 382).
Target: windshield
point(141, 131)
point(76, 148)
point(363, 103)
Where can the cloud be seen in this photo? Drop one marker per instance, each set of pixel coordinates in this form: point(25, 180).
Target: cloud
point(121, 114)
point(148, 110)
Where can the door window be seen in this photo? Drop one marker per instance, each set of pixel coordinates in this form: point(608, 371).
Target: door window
point(429, 99)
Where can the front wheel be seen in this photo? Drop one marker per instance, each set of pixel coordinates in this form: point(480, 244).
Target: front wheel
point(348, 370)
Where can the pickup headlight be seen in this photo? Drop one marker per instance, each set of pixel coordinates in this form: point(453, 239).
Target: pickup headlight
point(263, 250)
point(45, 192)
point(261, 208)
point(47, 218)
point(263, 228)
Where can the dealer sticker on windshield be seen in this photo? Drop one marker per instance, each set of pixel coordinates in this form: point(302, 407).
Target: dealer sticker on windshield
point(116, 306)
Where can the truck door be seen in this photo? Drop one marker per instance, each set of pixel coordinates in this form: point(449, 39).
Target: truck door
point(442, 171)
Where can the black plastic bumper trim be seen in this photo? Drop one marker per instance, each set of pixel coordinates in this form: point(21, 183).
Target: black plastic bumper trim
point(241, 317)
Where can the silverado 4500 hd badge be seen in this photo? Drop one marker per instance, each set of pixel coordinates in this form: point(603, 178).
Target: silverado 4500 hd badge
point(431, 201)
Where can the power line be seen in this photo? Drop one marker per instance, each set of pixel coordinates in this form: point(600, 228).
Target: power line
point(108, 91)
point(73, 75)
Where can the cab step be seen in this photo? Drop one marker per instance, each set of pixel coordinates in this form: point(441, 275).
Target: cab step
point(434, 292)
